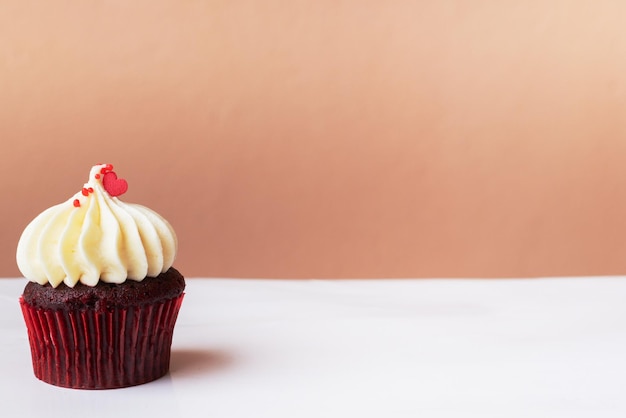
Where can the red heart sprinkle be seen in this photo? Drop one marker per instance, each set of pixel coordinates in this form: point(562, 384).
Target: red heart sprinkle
point(113, 185)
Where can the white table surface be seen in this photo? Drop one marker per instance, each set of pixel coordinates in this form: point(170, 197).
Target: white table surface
point(362, 348)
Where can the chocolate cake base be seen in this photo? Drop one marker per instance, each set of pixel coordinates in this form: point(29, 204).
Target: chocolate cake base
point(102, 337)
point(166, 285)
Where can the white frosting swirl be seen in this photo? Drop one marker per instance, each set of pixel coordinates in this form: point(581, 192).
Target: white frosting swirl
point(94, 236)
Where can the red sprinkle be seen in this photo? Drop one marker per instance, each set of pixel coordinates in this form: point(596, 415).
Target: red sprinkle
point(106, 168)
point(90, 190)
point(76, 203)
point(97, 176)
point(85, 192)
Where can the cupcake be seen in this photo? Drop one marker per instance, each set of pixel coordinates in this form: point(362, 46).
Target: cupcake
point(102, 298)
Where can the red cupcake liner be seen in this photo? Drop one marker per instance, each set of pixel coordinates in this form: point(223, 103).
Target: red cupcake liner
point(101, 349)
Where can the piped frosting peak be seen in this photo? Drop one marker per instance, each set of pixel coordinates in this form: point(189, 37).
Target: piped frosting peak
point(94, 236)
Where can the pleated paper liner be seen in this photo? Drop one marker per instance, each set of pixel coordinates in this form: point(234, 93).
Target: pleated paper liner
point(101, 349)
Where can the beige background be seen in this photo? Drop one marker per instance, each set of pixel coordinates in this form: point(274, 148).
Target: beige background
point(329, 138)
